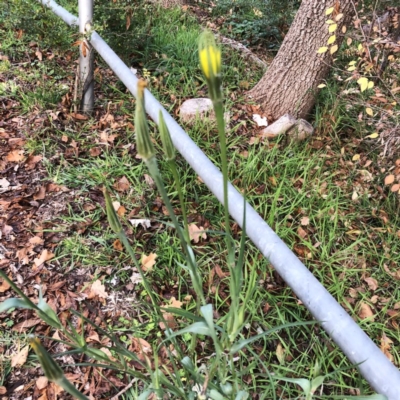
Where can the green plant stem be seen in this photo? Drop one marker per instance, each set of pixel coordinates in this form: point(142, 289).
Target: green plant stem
point(178, 186)
point(155, 173)
point(219, 114)
point(122, 237)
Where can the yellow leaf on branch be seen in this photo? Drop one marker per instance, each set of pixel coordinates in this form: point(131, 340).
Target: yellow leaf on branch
point(329, 11)
point(332, 28)
point(332, 39)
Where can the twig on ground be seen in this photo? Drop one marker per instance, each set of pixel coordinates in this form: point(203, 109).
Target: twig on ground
point(124, 389)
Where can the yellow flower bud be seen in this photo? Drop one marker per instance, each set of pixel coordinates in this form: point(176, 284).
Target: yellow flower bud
point(210, 61)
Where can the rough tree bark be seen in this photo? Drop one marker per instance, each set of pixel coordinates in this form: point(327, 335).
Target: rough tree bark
point(290, 84)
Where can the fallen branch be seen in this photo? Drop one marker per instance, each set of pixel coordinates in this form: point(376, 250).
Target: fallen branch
point(242, 49)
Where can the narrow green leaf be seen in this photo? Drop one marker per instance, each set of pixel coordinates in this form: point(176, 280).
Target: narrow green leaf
point(200, 328)
point(112, 216)
point(182, 313)
point(145, 395)
point(215, 395)
point(52, 318)
point(242, 395)
point(144, 145)
point(14, 303)
point(317, 382)
point(371, 397)
point(305, 384)
point(242, 343)
point(169, 148)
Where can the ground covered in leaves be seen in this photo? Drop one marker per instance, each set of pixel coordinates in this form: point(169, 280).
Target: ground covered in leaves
point(334, 199)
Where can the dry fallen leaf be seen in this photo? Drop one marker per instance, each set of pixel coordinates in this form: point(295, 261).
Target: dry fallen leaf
point(4, 285)
point(20, 357)
point(395, 187)
point(305, 221)
point(389, 179)
point(169, 321)
point(195, 233)
point(42, 382)
point(280, 353)
point(107, 352)
point(97, 289)
point(386, 344)
point(149, 180)
point(15, 156)
point(40, 194)
point(79, 117)
point(26, 324)
point(39, 55)
point(22, 255)
point(175, 303)
point(45, 256)
point(140, 346)
point(35, 240)
point(118, 245)
point(122, 185)
point(366, 312)
point(148, 261)
point(372, 283)
point(121, 211)
point(31, 161)
point(95, 151)
point(301, 232)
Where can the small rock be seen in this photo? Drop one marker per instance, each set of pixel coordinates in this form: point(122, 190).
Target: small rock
point(301, 130)
point(279, 127)
point(297, 130)
point(196, 107)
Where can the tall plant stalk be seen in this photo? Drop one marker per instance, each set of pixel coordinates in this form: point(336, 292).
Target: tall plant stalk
point(210, 61)
point(146, 151)
point(169, 152)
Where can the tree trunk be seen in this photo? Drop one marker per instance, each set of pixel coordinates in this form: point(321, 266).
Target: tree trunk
point(290, 84)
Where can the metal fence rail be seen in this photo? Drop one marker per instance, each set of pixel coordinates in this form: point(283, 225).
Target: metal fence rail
point(383, 376)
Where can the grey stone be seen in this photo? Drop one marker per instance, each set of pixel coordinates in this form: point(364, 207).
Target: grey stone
point(192, 108)
point(301, 130)
point(296, 129)
point(279, 127)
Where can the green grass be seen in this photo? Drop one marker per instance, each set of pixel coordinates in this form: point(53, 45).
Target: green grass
point(346, 240)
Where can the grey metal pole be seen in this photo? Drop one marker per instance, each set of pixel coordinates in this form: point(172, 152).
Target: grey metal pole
point(86, 55)
point(383, 376)
point(65, 15)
